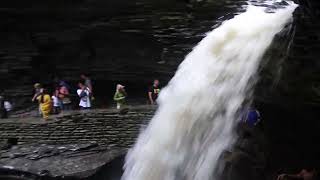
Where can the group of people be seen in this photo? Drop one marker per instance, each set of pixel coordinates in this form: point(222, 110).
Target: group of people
point(121, 94)
point(61, 100)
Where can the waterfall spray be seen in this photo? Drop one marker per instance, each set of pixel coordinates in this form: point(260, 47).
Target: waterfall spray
point(198, 109)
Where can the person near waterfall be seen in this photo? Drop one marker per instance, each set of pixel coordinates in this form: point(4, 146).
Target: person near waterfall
point(153, 92)
point(252, 117)
point(120, 96)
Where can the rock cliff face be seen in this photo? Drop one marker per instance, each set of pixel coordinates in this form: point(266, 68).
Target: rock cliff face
point(290, 107)
point(114, 41)
point(133, 42)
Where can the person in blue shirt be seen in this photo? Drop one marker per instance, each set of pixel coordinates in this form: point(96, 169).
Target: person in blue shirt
point(252, 117)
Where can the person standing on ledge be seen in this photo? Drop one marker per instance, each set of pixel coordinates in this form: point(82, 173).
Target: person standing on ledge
point(84, 94)
point(88, 83)
point(3, 111)
point(153, 92)
point(45, 103)
point(56, 102)
point(120, 96)
point(37, 88)
point(64, 95)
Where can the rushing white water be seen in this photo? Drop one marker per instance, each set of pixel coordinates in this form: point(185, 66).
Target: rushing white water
point(197, 110)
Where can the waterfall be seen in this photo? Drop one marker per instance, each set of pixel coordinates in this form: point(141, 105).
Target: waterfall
point(198, 109)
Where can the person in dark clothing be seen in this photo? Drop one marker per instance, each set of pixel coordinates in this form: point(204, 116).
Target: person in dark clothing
point(3, 111)
point(64, 95)
point(153, 92)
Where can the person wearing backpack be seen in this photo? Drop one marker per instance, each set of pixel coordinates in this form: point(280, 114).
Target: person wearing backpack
point(84, 95)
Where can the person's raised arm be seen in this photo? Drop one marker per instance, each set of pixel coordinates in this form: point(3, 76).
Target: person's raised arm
point(90, 87)
point(89, 90)
point(35, 97)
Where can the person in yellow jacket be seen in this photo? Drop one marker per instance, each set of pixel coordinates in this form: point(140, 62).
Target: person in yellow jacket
point(45, 102)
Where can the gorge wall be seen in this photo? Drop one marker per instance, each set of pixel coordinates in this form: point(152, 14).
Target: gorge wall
point(114, 41)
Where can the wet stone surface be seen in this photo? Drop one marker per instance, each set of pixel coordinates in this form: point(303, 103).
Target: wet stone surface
point(105, 127)
point(75, 144)
point(58, 161)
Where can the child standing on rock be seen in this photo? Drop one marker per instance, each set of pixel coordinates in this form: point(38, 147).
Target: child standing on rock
point(56, 102)
point(120, 96)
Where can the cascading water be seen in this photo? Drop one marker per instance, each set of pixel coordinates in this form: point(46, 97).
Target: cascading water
point(197, 111)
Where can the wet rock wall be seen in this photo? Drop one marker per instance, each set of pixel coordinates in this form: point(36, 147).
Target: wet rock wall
point(115, 41)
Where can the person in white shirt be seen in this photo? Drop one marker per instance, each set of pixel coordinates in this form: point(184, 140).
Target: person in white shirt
point(84, 94)
point(56, 102)
point(8, 106)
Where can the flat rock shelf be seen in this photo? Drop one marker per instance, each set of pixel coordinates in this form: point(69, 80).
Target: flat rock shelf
point(74, 144)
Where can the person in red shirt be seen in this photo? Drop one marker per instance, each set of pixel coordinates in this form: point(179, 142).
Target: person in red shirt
point(153, 92)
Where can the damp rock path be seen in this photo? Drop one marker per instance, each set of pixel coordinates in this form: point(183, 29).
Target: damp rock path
point(106, 127)
point(75, 144)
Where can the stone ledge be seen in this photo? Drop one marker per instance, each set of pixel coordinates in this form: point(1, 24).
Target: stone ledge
point(47, 146)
